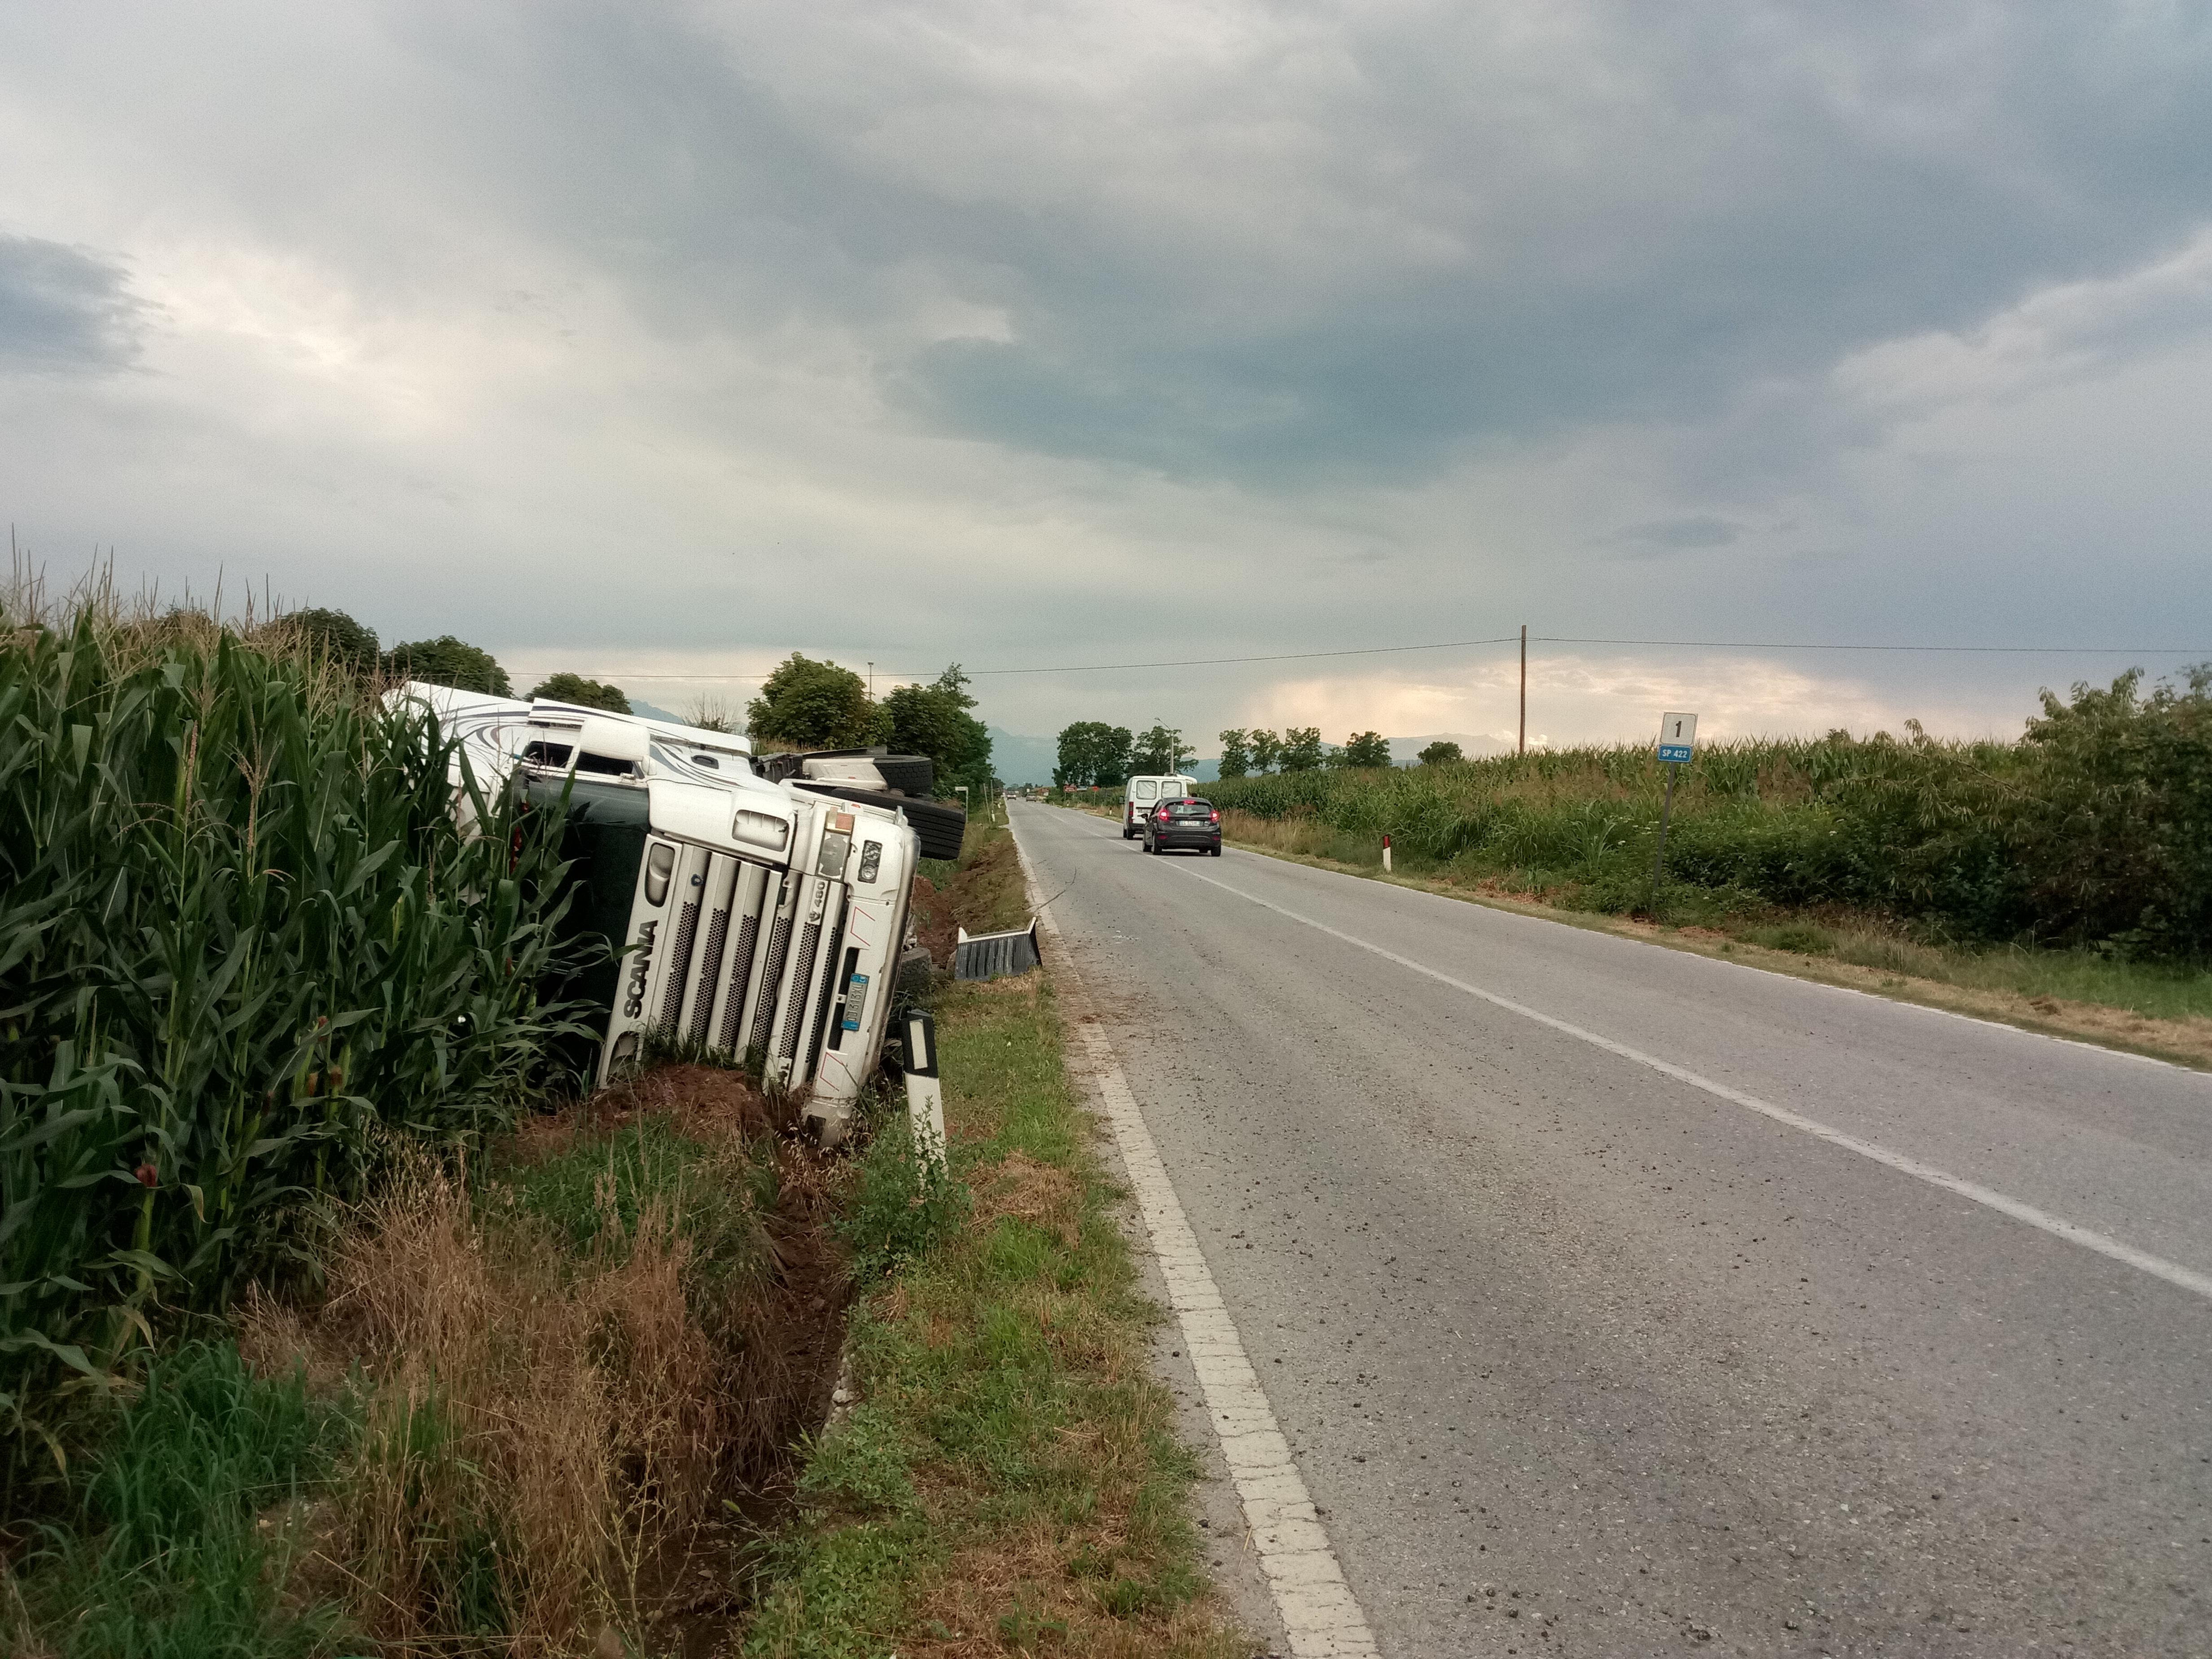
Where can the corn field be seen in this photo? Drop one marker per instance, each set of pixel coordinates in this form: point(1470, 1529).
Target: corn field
point(241, 946)
point(2094, 828)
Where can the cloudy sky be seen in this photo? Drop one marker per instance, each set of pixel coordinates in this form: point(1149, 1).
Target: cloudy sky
point(657, 340)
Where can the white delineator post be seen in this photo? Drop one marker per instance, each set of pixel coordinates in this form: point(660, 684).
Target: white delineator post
point(925, 1095)
point(1386, 855)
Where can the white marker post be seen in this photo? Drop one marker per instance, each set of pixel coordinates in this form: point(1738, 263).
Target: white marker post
point(1678, 744)
point(925, 1095)
point(1386, 855)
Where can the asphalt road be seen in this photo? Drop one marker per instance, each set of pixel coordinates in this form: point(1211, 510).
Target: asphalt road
point(1580, 1357)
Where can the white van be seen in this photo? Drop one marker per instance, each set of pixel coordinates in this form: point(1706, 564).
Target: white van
point(1139, 795)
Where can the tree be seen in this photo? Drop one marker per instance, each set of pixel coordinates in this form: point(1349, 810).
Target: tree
point(1236, 758)
point(709, 714)
point(1365, 748)
point(448, 661)
point(813, 705)
point(1266, 749)
point(933, 719)
point(1093, 754)
point(337, 639)
point(1160, 749)
point(588, 694)
point(1442, 753)
point(1301, 748)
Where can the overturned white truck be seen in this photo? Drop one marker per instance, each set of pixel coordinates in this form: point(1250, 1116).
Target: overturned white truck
point(760, 918)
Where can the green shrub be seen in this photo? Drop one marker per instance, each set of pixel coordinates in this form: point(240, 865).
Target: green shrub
point(586, 693)
point(902, 1203)
point(448, 661)
point(2094, 828)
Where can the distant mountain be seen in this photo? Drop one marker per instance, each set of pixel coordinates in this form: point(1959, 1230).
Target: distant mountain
point(1018, 760)
point(647, 711)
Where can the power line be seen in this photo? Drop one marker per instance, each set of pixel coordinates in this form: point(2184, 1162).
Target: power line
point(1460, 645)
point(1797, 645)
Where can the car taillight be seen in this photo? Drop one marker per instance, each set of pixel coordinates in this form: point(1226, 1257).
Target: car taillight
point(1214, 816)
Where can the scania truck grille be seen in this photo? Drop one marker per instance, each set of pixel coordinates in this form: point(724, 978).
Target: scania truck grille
point(741, 961)
point(802, 975)
point(770, 976)
point(680, 970)
point(710, 974)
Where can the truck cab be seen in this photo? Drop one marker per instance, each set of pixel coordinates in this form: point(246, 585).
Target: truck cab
point(748, 918)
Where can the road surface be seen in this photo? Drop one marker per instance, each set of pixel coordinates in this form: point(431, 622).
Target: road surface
point(1618, 1301)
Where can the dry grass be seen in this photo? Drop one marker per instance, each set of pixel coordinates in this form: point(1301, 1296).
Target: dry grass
point(530, 1429)
point(566, 1372)
point(1308, 837)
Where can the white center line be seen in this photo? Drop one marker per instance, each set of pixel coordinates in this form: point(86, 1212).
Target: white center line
point(2087, 1237)
point(1322, 1618)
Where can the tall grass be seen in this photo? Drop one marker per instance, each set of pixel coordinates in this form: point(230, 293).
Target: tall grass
point(196, 1524)
point(240, 944)
point(2094, 828)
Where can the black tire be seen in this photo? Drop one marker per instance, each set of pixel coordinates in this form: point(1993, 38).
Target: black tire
point(1217, 851)
point(940, 828)
point(912, 774)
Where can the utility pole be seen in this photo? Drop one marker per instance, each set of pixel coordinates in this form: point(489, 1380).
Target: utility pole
point(871, 680)
point(1522, 746)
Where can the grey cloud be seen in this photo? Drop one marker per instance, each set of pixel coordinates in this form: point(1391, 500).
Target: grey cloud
point(1344, 253)
point(1665, 537)
point(1337, 272)
point(63, 310)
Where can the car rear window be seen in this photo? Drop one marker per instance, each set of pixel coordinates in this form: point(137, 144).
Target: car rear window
point(1190, 809)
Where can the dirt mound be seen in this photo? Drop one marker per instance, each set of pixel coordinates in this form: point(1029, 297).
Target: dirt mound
point(933, 922)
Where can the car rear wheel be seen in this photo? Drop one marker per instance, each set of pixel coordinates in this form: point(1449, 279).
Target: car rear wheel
point(1216, 851)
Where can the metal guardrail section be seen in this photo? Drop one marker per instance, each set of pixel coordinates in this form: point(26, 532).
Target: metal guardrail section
point(989, 956)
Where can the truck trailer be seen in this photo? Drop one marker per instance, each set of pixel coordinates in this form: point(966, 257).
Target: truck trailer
point(760, 920)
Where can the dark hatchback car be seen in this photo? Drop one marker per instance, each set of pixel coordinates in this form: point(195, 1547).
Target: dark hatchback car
point(1184, 821)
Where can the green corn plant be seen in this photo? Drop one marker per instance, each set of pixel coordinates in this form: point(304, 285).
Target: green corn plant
point(242, 944)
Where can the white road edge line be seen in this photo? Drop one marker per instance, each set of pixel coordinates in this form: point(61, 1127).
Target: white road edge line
point(1322, 1618)
point(2088, 1238)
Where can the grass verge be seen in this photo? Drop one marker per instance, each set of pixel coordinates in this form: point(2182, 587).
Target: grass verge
point(1010, 1481)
